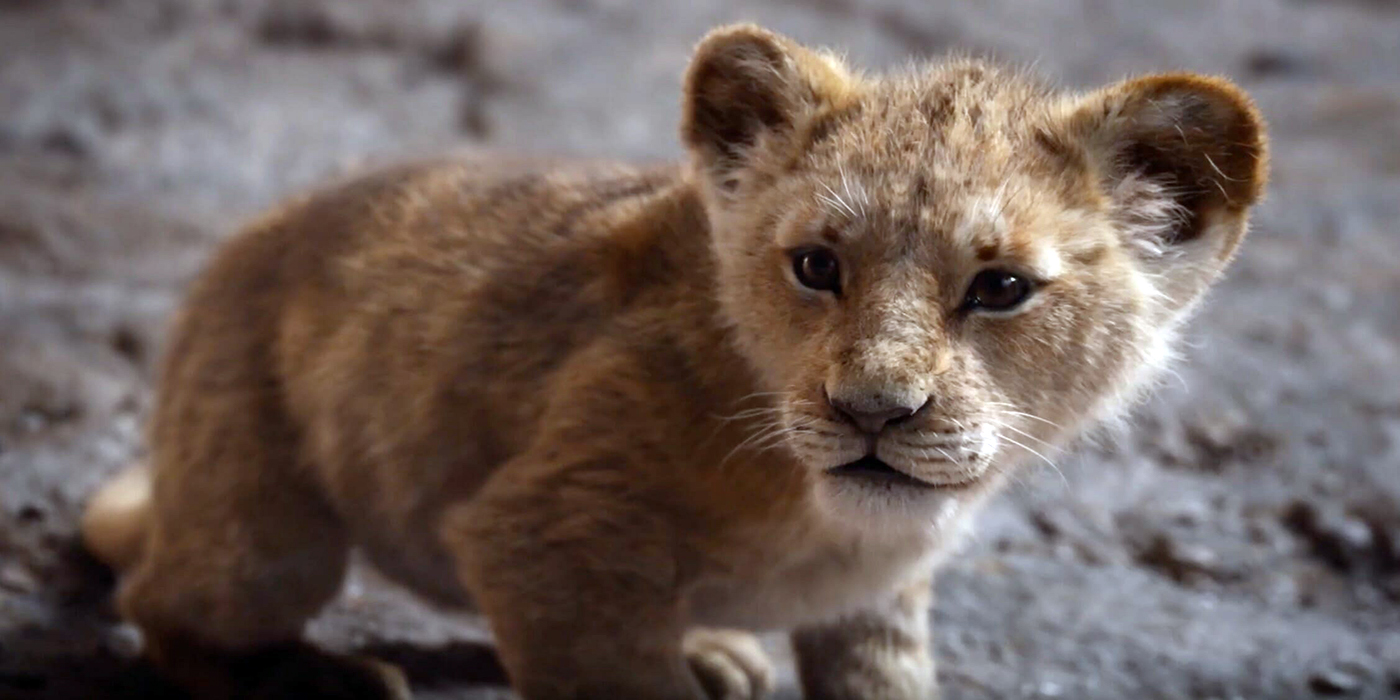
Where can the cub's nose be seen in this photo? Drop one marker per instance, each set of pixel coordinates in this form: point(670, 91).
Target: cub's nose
point(872, 413)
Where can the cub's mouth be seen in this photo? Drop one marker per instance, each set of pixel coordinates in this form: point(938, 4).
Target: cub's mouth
point(872, 468)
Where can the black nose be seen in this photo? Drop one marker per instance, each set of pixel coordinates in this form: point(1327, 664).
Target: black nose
point(872, 415)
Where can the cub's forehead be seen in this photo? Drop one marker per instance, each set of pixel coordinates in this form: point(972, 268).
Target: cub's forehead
point(960, 112)
point(908, 217)
point(1010, 223)
point(945, 162)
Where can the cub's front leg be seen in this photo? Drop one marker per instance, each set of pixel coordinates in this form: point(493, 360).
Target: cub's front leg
point(882, 652)
point(575, 565)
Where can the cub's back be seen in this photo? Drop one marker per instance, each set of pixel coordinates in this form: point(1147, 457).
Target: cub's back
point(401, 330)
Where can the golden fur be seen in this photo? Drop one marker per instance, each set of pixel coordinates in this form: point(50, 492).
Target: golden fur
point(594, 400)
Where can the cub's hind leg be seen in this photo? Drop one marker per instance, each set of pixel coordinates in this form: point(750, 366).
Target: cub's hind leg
point(241, 551)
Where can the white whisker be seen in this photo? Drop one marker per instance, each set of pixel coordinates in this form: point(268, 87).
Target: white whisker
point(1018, 431)
point(766, 436)
point(846, 185)
point(835, 200)
point(1043, 457)
point(1007, 409)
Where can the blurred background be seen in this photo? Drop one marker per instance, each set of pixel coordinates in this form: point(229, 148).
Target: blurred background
point(1241, 540)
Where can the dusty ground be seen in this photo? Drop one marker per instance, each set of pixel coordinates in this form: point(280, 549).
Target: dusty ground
point(1241, 541)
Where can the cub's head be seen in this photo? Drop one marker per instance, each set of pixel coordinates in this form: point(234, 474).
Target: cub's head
point(947, 270)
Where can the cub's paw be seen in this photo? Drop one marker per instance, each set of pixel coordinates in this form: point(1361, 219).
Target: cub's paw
point(730, 665)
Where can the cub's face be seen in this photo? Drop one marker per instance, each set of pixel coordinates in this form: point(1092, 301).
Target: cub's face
point(946, 273)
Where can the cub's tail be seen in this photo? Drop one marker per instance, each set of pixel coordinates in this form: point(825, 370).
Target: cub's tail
point(117, 519)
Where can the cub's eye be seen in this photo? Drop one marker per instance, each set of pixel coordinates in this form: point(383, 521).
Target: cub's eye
point(816, 268)
point(997, 290)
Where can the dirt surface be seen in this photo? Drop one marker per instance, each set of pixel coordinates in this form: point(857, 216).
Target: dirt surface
point(1240, 539)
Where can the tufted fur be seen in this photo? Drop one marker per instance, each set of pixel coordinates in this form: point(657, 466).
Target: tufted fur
point(592, 399)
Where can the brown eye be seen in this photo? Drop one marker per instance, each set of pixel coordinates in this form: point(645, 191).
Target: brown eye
point(816, 268)
point(997, 290)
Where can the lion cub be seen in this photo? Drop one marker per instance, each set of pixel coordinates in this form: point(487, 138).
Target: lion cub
point(626, 411)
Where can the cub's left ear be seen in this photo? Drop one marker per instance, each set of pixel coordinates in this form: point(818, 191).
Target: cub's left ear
point(1181, 158)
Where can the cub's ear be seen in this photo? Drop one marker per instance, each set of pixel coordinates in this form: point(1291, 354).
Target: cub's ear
point(750, 94)
point(1181, 159)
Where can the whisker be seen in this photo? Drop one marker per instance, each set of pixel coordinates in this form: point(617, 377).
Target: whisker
point(1043, 457)
point(737, 448)
point(761, 410)
point(960, 447)
point(1023, 414)
point(750, 413)
point(846, 185)
point(774, 435)
point(946, 458)
point(1018, 431)
point(1006, 201)
point(766, 436)
point(757, 394)
point(835, 200)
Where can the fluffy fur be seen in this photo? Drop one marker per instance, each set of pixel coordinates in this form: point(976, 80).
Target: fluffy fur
point(595, 401)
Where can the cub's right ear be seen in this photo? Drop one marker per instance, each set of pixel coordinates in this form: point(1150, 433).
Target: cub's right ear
point(752, 93)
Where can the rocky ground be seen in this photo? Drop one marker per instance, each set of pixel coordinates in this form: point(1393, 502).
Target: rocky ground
point(1240, 540)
